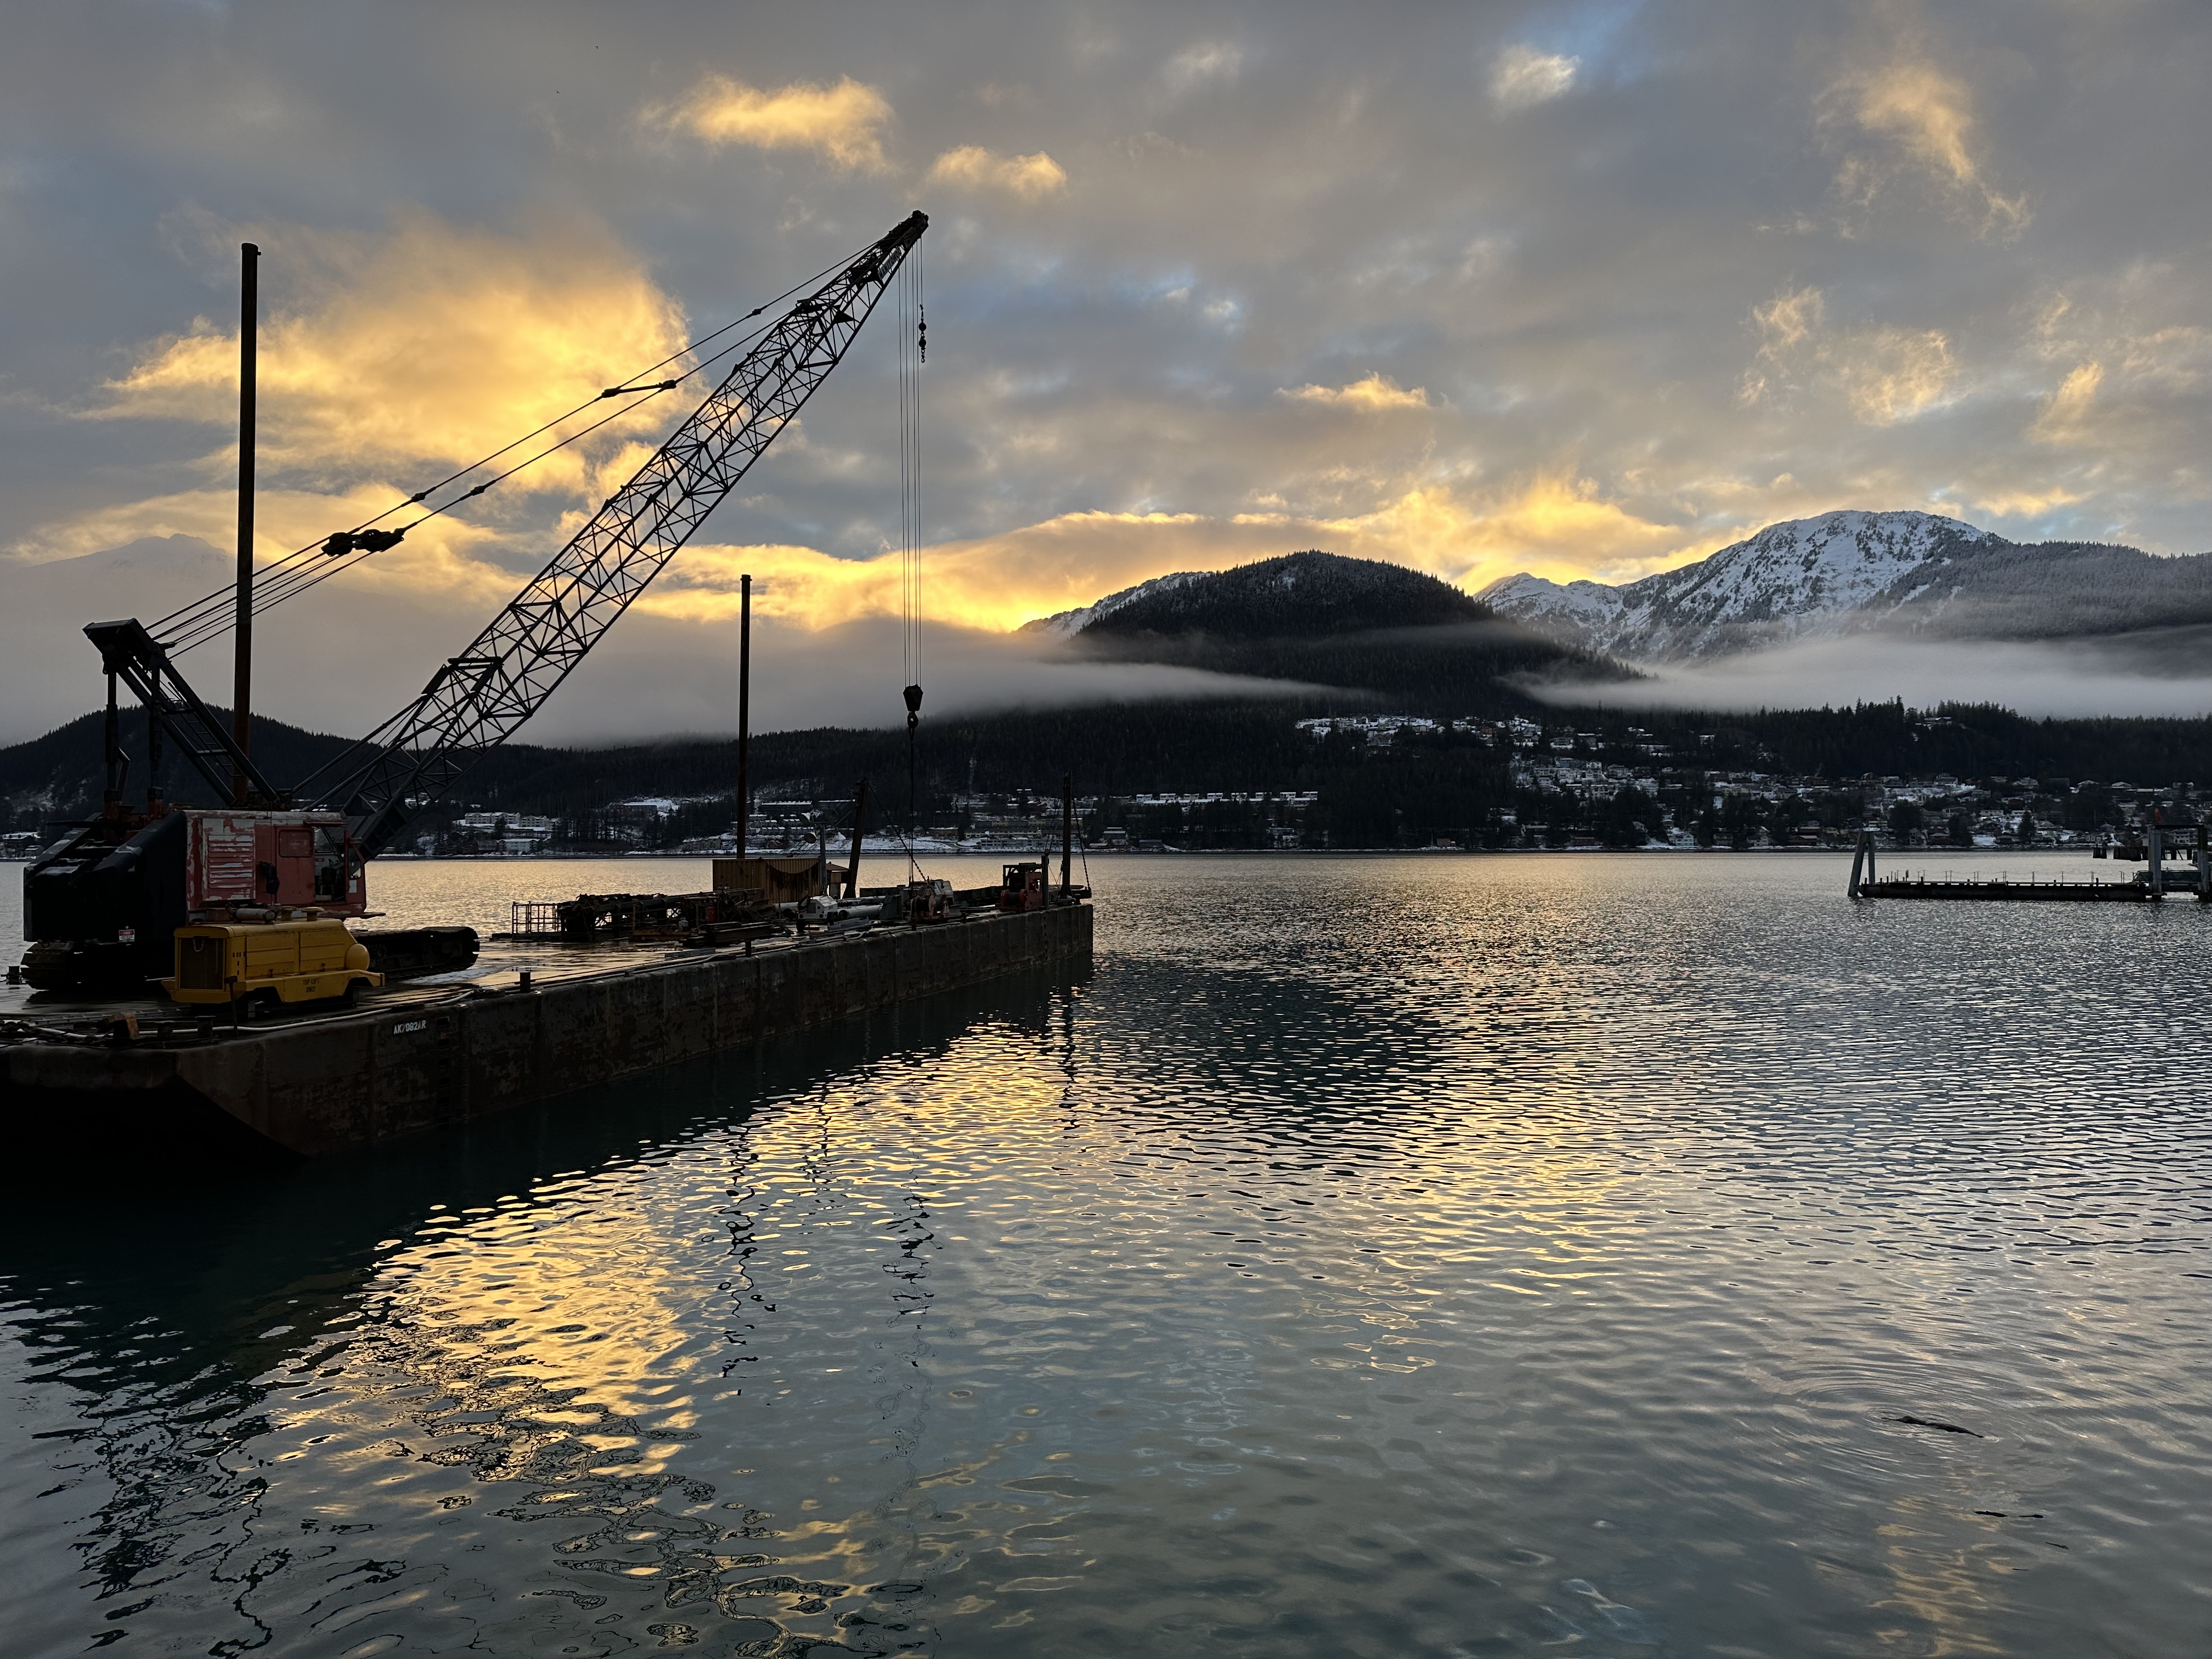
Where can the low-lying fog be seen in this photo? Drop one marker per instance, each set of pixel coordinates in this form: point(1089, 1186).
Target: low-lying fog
point(341, 660)
point(2166, 672)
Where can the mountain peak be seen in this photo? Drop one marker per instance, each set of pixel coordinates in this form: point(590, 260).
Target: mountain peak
point(1067, 622)
point(1297, 595)
point(1790, 580)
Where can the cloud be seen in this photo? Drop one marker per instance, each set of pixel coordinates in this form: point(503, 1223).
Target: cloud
point(448, 556)
point(1884, 375)
point(1926, 115)
point(844, 122)
point(973, 167)
point(425, 347)
point(1208, 60)
point(1372, 396)
point(1521, 75)
point(1554, 523)
point(2064, 417)
point(993, 582)
point(1785, 322)
point(1895, 374)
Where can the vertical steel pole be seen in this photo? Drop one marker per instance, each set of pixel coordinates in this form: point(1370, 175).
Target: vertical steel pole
point(745, 709)
point(112, 794)
point(152, 762)
point(249, 342)
point(1067, 829)
point(860, 818)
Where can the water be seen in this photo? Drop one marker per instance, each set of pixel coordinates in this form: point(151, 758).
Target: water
point(1389, 1256)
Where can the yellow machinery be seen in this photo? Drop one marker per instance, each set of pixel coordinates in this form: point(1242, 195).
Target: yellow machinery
point(311, 959)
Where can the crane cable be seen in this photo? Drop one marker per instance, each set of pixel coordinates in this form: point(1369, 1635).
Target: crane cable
point(913, 352)
point(210, 617)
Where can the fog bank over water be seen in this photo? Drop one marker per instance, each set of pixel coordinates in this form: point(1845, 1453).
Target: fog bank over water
point(2036, 677)
point(677, 678)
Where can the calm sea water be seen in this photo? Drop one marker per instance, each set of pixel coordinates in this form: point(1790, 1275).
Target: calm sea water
point(1388, 1256)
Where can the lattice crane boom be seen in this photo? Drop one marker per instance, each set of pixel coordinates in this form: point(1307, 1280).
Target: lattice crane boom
point(479, 698)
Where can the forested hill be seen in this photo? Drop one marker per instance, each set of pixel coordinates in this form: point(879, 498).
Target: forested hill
point(1324, 621)
point(1298, 596)
point(1150, 747)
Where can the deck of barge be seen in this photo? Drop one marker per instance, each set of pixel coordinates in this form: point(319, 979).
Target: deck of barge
point(429, 1053)
point(2003, 888)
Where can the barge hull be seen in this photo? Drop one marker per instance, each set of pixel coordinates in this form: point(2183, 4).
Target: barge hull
point(332, 1084)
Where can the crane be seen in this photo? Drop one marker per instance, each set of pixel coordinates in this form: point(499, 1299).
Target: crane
point(478, 698)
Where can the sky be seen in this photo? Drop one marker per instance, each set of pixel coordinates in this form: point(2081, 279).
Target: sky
point(1582, 288)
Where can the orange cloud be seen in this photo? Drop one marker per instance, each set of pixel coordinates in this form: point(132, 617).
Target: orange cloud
point(971, 166)
point(428, 347)
point(1553, 524)
point(1372, 396)
point(1926, 115)
point(844, 122)
point(446, 556)
point(2066, 415)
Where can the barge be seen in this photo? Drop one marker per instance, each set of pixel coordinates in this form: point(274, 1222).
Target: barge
point(429, 1055)
point(2149, 886)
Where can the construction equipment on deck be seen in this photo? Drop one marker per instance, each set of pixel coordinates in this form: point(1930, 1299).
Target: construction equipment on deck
point(103, 903)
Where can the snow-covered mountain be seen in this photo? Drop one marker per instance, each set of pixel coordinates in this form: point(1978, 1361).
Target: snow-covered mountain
point(1807, 576)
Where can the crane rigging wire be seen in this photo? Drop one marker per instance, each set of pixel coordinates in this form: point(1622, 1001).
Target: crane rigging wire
point(913, 352)
point(294, 572)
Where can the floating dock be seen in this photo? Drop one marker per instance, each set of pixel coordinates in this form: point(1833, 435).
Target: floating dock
point(435, 1056)
point(2003, 887)
point(2159, 880)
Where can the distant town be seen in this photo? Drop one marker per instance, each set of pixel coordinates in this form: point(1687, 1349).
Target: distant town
point(1551, 787)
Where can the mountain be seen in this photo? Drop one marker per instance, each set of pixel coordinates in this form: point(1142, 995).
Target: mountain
point(1910, 572)
point(1070, 622)
point(1328, 623)
point(1299, 595)
point(2050, 590)
point(1788, 581)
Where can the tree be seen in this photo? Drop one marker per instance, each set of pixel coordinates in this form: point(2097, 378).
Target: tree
point(1961, 830)
point(2025, 834)
point(1906, 820)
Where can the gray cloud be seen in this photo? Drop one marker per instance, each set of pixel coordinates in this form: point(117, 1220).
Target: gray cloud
point(1997, 207)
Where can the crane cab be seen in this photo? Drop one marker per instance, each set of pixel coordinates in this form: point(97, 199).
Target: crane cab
point(239, 862)
point(1022, 887)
